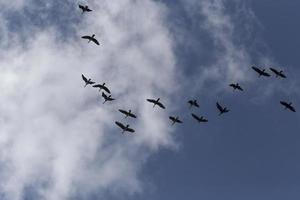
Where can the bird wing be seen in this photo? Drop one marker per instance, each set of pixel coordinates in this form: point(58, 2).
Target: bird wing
point(106, 89)
point(219, 107)
point(240, 88)
point(104, 95)
point(87, 37)
point(91, 82)
point(292, 108)
point(284, 103)
point(256, 69)
point(232, 85)
point(81, 7)
point(96, 41)
point(179, 121)
point(282, 75)
point(98, 85)
point(130, 130)
point(110, 98)
point(84, 78)
point(274, 70)
point(123, 111)
point(265, 74)
point(132, 115)
point(172, 118)
point(161, 105)
point(151, 100)
point(89, 10)
point(196, 117)
point(120, 125)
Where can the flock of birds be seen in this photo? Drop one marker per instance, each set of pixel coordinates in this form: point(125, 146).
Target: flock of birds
point(106, 94)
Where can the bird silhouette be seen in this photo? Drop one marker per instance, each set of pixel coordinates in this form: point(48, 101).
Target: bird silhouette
point(175, 120)
point(261, 72)
point(102, 87)
point(87, 81)
point(107, 98)
point(124, 128)
point(222, 109)
point(127, 113)
point(288, 106)
point(84, 8)
point(193, 103)
point(156, 102)
point(236, 86)
point(199, 119)
point(278, 73)
point(91, 38)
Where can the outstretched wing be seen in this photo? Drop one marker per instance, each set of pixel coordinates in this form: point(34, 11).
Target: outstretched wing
point(274, 70)
point(86, 37)
point(104, 95)
point(196, 117)
point(120, 125)
point(284, 103)
point(292, 108)
point(240, 88)
point(123, 111)
point(161, 105)
point(105, 89)
point(84, 78)
point(132, 115)
point(95, 41)
point(172, 118)
point(151, 100)
point(81, 7)
point(220, 108)
point(256, 69)
point(98, 85)
point(130, 130)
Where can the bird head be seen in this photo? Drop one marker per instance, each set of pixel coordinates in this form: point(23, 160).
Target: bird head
point(103, 84)
point(129, 111)
point(158, 99)
point(93, 35)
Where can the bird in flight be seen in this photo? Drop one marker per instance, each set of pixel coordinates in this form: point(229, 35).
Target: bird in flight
point(175, 120)
point(193, 103)
point(127, 113)
point(278, 73)
point(87, 81)
point(124, 128)
point(288, 106)
point(261, 72)
point(107, 98)
point(102, 87)
point(236, 86)
point(222, 109)
point(91, 38)
point(84, 8)
point(156, 102)
point(199, 119)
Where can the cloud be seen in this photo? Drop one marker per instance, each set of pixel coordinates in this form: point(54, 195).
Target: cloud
point(57, 138)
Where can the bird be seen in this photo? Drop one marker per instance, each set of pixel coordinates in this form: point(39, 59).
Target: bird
point(102, 87)
point(222, 109)
point(84, 8)
point(199, 119)
point(193, 103)
point(91, 38)
point(107, 98)
point(236, 86)
point(261, 72)
point(288, 106)
point(124, 128)
point(156, 102)
point(87, 81)
point(278, 73)
point(175, 120)
point(127, 113)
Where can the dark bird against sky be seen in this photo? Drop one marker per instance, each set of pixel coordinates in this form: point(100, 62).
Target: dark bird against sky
point(199, 119)
point(236, 86)
point(261, 72)
point(193, 103)
point(84, 8)
point(124, 128)
point(102, 87)
point(288, 106)
point(127, 113)
point(175, 120)
point(87, 81)
point(107, 98)
point(91, 38)
point(278, 73)
point(156, 102)
point(222, 109)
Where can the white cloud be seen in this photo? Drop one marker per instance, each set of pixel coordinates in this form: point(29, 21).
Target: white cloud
point(57, 135)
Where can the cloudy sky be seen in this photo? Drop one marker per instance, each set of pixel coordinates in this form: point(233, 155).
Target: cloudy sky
point(59, 142)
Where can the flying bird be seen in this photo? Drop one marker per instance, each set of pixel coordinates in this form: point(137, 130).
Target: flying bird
point(278, 73)
point(156, 102)
point(87, 81)
point(193, 103)
point(102, 87)
point(175, 120)
point(222, 109)
point(84, 8)
point(107, 98)
point(91, 38)
point(124, 128)
point(261, 72)
point(199, 119)
point(288, 106)
point(236, 86)
point(127, 113)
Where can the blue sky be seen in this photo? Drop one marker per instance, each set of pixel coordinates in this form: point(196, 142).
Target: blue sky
point(189, 49)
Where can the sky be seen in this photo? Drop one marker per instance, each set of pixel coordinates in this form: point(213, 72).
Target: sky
point(58, 141)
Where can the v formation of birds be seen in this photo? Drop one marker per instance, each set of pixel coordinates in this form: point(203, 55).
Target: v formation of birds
point(106, 94)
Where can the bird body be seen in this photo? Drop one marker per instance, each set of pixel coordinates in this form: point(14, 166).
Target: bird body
point(127, 113)
point(278, 73)
point(175, 120)
point(156, 102)
point(107, 98)
point(222, 109)
point(236, 86)
point(91, 38)
point(288, 106)
point(124, 128)
point(261, 72)
point(84, 8)
point(102, 87)
point(199, 119)
point(87, 81)
point(193, 103)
